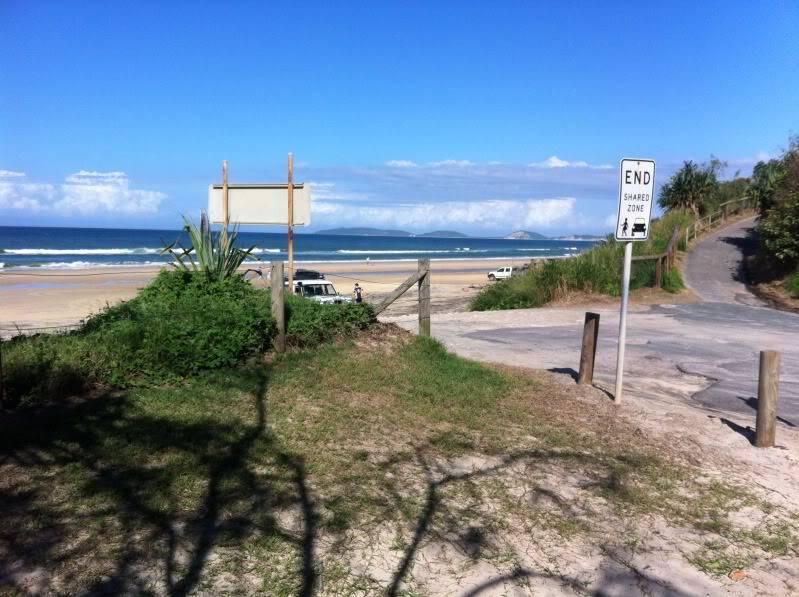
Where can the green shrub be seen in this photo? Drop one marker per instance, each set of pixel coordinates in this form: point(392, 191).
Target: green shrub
point(779, 232)
point(42, 365)
point(180, 324)
point(792, 285)
point(597, 270)
point(310, 323)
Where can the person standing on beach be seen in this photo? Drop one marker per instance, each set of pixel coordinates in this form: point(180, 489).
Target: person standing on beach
point(358, 292)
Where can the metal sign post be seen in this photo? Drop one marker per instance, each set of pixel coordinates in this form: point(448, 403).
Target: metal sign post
point(636, 193)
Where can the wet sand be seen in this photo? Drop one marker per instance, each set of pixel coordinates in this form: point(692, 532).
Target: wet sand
point(59, 298)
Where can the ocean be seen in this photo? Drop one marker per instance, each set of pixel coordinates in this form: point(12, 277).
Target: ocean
point(74, 248)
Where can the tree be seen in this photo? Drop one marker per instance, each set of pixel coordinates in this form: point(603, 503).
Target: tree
point(775, 184)
point(766, 177)
point(691, 186)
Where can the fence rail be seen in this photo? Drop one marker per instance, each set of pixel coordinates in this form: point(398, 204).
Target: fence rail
point(666, 260)
point(719, 216)
point(421, 278)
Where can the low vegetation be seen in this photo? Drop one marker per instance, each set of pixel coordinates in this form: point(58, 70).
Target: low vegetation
point(375, 465)
point(775, 186)
point(182, 323)
point(792, 285)
point(597, 270)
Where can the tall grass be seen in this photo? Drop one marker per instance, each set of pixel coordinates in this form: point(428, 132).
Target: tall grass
point(598, 270)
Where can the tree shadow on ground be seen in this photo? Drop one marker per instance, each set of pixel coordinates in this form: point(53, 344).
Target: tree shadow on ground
point(617, 573)
point(161, 542)
point(747, 245)
point(141, 506)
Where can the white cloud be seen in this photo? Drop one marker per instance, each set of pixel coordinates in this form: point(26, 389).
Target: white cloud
point(328, 191)
point(84, 192)
point(555, 162)
point(401, 164)
point(456, 163)
point(495, 214)
point(19, 194)
point(611, 221)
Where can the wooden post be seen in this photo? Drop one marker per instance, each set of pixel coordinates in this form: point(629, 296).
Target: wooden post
point(278, 306)
point(291, 223)
point(658, 272)
point(424, 297)
point(588, 352)
point(768, 392)
point(225, 204)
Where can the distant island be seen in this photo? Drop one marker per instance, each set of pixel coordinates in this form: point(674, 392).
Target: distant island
point(381, 232)
point(444, 234)
point(524, 235)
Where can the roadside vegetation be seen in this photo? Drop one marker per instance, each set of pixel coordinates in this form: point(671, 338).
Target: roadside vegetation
point(693, 191)
point(776, 185)
point(597, 270)
point(350, 469)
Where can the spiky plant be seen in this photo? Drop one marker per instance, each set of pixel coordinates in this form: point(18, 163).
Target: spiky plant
point(214, 254)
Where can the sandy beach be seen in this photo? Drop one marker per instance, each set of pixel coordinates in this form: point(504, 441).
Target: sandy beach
point(31, 299)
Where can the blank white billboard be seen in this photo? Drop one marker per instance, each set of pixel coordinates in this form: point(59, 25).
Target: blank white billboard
point(260, 204)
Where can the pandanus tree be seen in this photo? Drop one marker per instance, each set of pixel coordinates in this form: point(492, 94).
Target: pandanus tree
point(213, 253)
point(690, 187)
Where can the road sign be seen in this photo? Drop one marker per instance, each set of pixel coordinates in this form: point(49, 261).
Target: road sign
point(636, 193)
point(260, 204)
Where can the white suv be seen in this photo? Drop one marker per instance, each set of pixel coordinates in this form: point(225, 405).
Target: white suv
point(502, 273)
point(321, 291)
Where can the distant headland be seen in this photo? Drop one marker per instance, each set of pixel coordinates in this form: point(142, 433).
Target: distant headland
point(516, 235)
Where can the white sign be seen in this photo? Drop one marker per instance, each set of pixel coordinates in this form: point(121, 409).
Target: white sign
point(260, 204)
point(636, 193)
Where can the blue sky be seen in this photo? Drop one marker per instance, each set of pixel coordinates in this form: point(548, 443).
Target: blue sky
point(481, 117)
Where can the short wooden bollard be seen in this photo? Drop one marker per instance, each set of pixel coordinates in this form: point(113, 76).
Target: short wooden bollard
point(278, 306)
point(424, 297)
point(588, 353)
point(768, 392)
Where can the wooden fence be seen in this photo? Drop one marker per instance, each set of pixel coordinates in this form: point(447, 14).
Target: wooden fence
point(666, 260)
point(718, 217)
point(421, 278)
